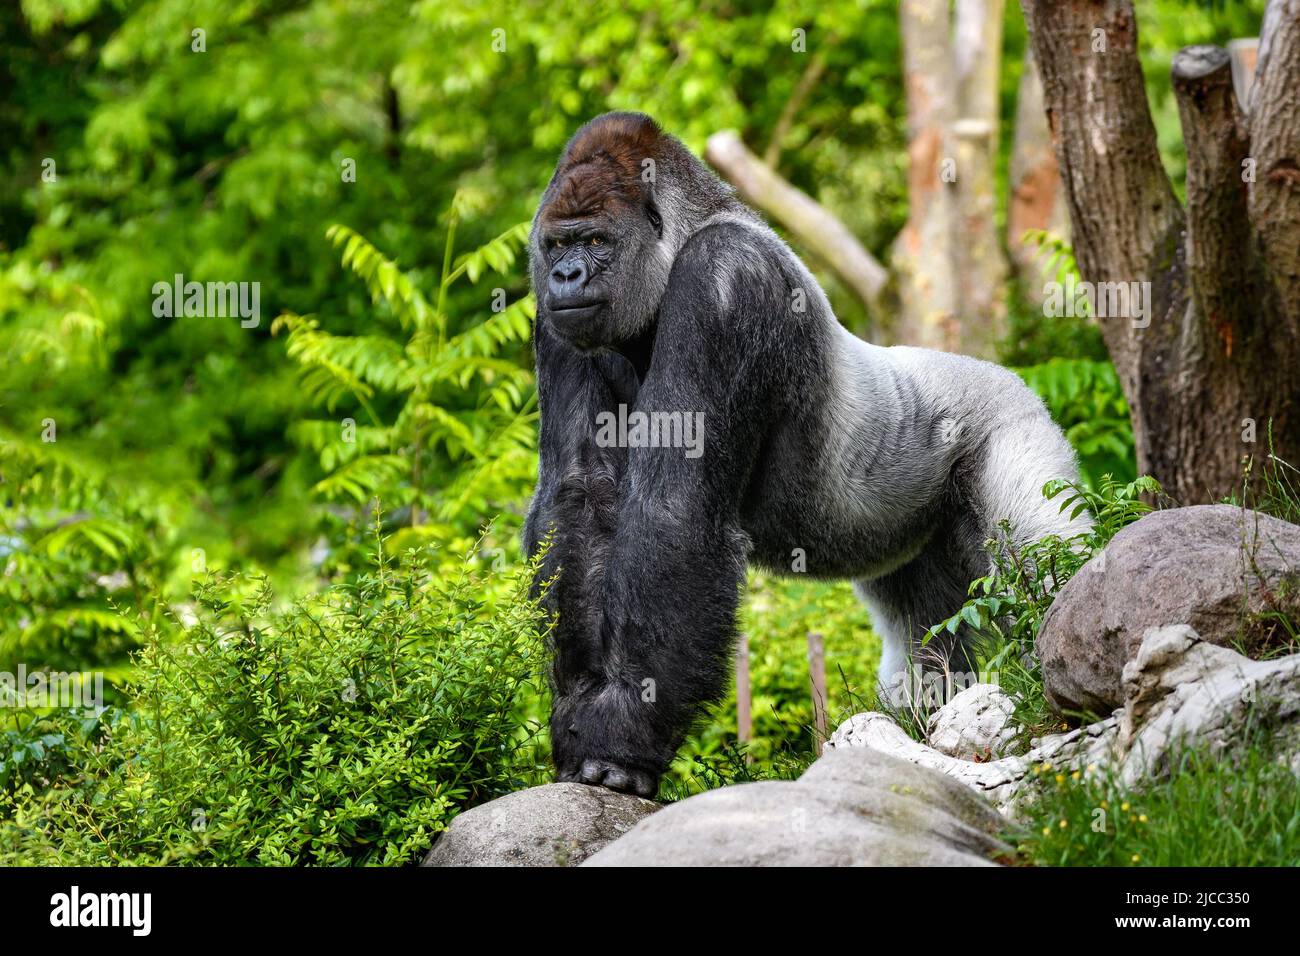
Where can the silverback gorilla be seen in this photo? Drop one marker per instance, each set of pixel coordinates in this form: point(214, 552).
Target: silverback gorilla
point(663, 302)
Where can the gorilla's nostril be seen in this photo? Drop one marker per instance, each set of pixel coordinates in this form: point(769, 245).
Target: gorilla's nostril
point(566, 275)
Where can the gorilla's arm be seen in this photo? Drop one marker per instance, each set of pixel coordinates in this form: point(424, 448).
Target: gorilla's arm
point(678, 554)
point(575, 506)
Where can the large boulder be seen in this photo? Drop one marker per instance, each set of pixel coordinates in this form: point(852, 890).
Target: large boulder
point(851, 808)
point(1205, 566)
point(559, 824)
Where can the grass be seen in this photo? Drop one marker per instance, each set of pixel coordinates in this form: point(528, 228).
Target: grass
point(1241, 809)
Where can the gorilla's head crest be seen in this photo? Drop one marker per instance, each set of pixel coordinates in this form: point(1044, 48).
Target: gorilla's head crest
point(605, 233)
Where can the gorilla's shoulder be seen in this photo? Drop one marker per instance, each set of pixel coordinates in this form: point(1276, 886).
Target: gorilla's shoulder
point(737, 264)
point(732, 231)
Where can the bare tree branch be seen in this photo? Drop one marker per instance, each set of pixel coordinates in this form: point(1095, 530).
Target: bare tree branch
point(812, 74)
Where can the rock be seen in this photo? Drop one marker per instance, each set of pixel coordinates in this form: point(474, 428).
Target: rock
point(1202, 566)
point(851, 808)
point(559, 824)
point(1180, 690)
point(1001, 781)
point(975, 723)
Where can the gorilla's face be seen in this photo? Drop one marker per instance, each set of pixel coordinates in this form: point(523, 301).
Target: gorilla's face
point(599, 278)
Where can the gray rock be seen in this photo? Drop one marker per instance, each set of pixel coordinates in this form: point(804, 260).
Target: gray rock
point(559, 824)
point(851, 808)
point(976, 723)
point(1179, 691)
point(1003, 782)
point(1202, 566)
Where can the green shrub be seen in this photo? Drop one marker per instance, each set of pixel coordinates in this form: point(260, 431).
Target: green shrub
point(348, 730)
point(444, 399)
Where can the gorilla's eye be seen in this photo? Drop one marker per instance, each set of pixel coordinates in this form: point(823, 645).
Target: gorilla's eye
point(596, 241)
point(558, 243)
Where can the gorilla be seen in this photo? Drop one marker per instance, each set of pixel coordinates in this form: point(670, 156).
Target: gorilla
point(664, 303)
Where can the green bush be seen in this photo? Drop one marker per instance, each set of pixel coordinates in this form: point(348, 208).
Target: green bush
point(348, 730)
point(1086, 400)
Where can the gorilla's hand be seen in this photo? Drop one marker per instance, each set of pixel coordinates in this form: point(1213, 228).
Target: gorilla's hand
point(605, 735)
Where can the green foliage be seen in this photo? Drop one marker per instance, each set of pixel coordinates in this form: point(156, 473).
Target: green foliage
point(1064, 361)
point(42, 749)
point(348, 730)
point(72, 546)
point(1007, 606)
point(1033, 336)
point(1230, 809)
point(457, 439)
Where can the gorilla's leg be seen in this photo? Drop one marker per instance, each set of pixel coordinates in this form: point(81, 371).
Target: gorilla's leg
point(1003, 480)
point(930, 588)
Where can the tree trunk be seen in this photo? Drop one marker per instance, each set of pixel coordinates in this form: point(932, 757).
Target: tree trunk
point(981, 263)
point(1037, 196)
point(923, 255)
point(1206, 345)
point(949, 259)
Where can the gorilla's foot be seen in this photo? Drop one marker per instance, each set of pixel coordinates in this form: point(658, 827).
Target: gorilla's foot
point(601, 773)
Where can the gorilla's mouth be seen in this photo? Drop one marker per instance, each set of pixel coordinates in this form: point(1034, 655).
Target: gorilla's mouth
point(569, 309)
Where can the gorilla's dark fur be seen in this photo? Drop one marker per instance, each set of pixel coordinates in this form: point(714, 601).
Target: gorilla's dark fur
point(660, 291)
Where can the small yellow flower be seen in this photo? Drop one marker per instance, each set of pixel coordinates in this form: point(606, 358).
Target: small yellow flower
point(1047, 831)
point(1105, 804)
point(1060, 779)
point(1142, 818)
point(1064, 824)
point(1076, 775)
point(1135, 858)
point(1124, 806)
